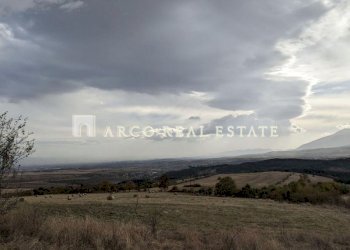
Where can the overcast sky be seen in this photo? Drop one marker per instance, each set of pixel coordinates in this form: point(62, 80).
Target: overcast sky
point(174, 62)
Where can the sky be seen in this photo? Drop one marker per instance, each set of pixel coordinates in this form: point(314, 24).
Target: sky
point(174, 63)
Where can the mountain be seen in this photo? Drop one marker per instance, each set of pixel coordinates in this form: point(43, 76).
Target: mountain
point(339, 139)
point(319, 153)
point(235, 153)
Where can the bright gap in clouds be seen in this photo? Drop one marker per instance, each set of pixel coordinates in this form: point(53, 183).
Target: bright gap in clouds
point(320, 56)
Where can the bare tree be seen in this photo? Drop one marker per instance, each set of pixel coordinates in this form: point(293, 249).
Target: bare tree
point(15, 145)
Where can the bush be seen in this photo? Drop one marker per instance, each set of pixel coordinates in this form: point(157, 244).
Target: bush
point(225, 187)
point(205, 191)
point(301, 191)
point(247, 192)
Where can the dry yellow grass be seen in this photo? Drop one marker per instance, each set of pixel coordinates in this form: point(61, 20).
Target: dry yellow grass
point(204, 212)
point(257, 180)
point(185, 222)
point(188, 221)
point(14, 190)
point(27, 230)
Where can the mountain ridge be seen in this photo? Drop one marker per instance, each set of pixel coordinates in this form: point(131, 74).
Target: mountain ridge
point(336, 140)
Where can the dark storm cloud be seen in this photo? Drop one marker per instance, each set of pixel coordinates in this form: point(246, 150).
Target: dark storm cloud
point(154, 47)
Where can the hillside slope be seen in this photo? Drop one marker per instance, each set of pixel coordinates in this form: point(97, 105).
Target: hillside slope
point(338, 169)
point(256, 180)
point(339, 139)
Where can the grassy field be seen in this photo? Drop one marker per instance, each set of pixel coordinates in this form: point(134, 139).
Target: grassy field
point(256, 180)
point(139, 220)
point(199, 212)
point(164, 220)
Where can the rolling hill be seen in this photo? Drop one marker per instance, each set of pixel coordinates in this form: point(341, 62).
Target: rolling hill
point(256, 180)
point(338, 169)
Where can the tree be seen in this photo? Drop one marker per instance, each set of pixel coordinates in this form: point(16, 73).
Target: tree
point(247, 192)
point(146, 185)
point(15, 145)
point(106, 186)
point(225, 187)
point(163, 182)
point(130, 185)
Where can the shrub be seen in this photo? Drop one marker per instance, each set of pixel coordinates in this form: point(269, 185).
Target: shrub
point(301, 191)
point(225, 187)
point(247, 192)
point(205, 191)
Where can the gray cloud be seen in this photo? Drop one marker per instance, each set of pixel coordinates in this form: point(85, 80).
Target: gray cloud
point(69, 6)
point(248, 121)
point(270, 99)
point(194, 118)
point(222, 48)
point(326, 88)
point(18, 6)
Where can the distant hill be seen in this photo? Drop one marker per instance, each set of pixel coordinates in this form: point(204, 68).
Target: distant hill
point(318, 153)
point(256, 180)
point(337, 169)
point(339, 139)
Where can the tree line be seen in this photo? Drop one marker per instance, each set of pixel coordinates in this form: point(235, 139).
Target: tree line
point(299, 191)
